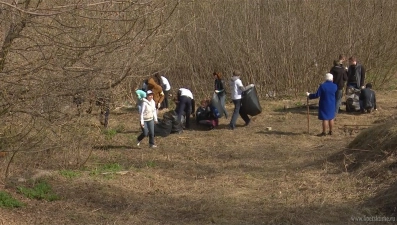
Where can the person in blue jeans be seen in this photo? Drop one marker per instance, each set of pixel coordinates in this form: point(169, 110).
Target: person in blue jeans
point(237, 89)
point(148, 119)
point(220, 91)
point(340, 77)
point(140, 95)
point(355, 74)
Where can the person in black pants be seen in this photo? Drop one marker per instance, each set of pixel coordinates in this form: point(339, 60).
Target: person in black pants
point(340, 77)
point(185, 104)
point(367, 99)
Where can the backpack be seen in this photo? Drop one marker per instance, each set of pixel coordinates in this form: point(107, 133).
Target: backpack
point(215, 112)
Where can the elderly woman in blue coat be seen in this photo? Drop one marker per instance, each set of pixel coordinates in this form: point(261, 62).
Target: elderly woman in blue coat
point(326, 111)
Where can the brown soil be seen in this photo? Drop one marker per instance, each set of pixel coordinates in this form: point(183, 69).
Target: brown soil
point(246, 176)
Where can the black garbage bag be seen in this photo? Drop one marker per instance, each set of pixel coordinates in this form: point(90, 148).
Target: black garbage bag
point(217, 104)
point(177, 127)
point(163, 128)
point(250, 102)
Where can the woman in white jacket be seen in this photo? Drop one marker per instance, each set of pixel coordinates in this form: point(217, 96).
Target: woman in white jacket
point(148, 119)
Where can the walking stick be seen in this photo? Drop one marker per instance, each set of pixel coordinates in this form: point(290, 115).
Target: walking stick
point(308, 118)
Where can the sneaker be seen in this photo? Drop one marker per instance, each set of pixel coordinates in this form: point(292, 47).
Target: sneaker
point(322, 134)
point(153, 146)
point(138, 143)
point(330, 133)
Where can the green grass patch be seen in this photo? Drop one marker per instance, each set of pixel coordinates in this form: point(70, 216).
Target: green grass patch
point(151, 164)
point(7, 201)
point(109, 133)
point(41, 191)
point(69, 173)
point(107, 169)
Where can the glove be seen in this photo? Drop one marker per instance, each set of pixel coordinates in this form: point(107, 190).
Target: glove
point(307, 94)
point(362, 87)
point(216, 91)
point(158, 105)
point(162, 93)
point(346, 68)
point(252, 85)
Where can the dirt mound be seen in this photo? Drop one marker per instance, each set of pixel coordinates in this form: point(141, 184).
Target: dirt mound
point(375, 144)
point(373, 154)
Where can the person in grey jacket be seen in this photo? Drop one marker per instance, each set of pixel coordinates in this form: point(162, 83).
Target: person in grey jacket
point(148, 117)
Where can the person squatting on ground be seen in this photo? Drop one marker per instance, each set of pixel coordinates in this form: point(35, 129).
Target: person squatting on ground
point(207, 115)
point(220, 91)
point(140, 95)
point(340, 77)
point(236, 90)
point(166, 90)
point(326, 111)
point(355, 74)
point(185, 104)
point(148, 119)
point(154, 84)
point(367, 99)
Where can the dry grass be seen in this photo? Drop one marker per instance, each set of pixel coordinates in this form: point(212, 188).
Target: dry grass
point(245, 176)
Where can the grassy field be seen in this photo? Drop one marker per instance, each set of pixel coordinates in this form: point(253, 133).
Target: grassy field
point(247, 176)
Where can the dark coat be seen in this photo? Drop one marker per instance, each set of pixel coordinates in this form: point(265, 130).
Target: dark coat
point(356, 74)
point(219, 86)
point(368, 97)
point(340, 76)
point(326, 93)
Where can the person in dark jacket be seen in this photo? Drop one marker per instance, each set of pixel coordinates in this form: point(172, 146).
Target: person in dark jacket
point(367, 99)
point(220, 91)
point(355, 74)
point(342, 60)
point(207, 115)
point(326, 111)
point(340, 77)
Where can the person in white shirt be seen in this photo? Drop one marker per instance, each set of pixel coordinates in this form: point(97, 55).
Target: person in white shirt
point(166, 90)
point(148, 118)
point(237, 88)
point(185, 103)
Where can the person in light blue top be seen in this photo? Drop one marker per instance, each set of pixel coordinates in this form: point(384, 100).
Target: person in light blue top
point(140, 95)
point(326, 111)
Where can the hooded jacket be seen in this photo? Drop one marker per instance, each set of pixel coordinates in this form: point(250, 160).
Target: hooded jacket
point(236, 87)
point(148, 111)
point(158, 94)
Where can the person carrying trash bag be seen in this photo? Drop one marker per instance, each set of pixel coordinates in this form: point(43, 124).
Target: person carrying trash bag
point(236, 90)
point(219, 98)
point(326, 111)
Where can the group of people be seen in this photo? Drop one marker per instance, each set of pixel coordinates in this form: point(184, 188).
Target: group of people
point(331, 91)
point(153, 96)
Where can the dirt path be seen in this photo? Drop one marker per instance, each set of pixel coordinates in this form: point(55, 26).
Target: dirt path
point(246, 176)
